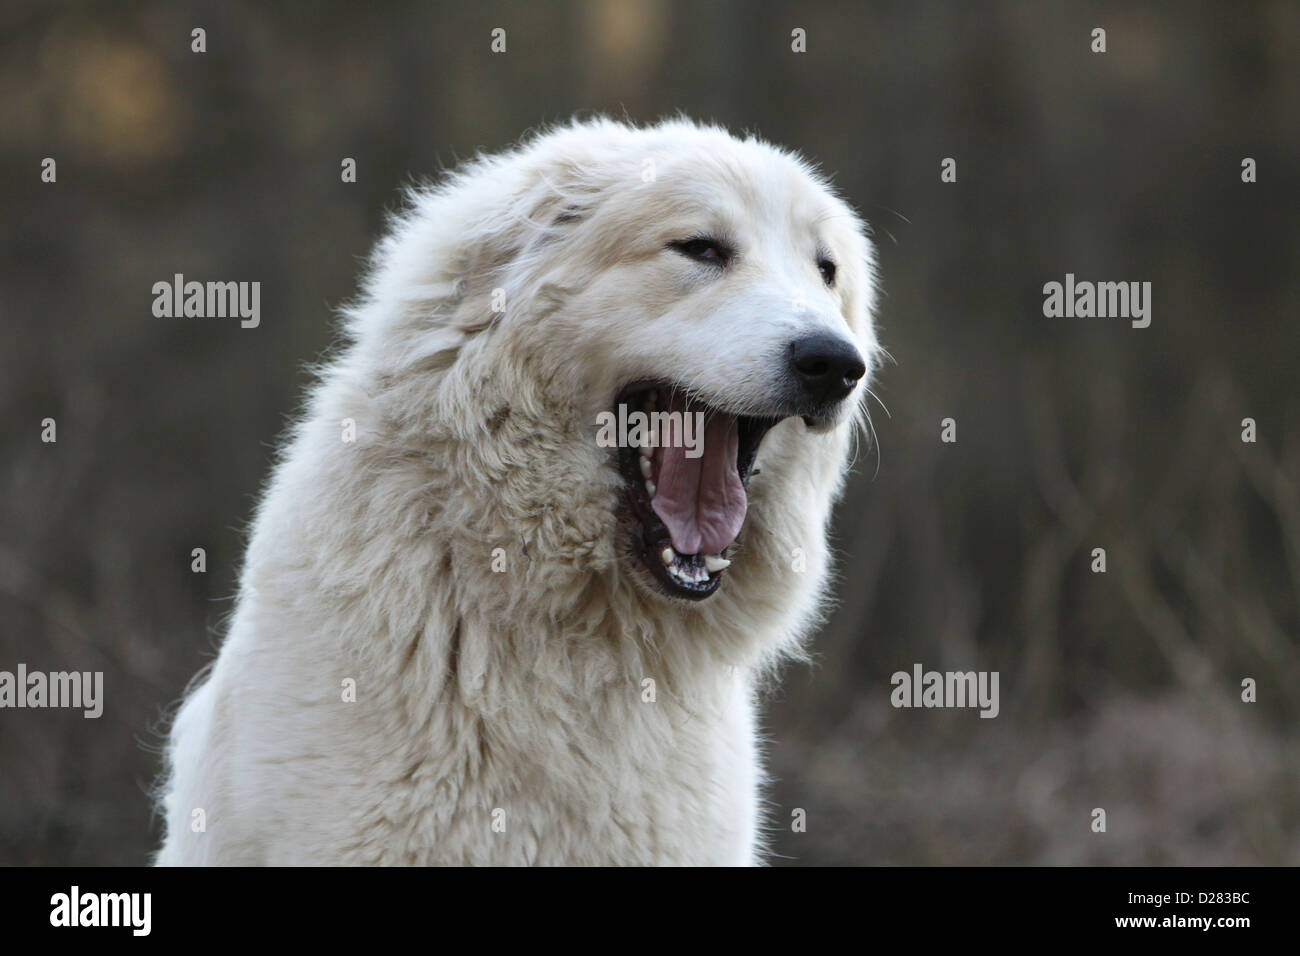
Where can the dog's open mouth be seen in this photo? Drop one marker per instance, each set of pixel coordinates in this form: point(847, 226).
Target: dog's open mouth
point(687, 473)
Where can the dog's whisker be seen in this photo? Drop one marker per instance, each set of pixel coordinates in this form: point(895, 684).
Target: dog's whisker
point(872, 394)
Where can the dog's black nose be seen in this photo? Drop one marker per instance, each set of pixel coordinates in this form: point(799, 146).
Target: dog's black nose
point(825, 367)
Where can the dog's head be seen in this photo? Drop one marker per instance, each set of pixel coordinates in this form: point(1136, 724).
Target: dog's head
point(699, 305)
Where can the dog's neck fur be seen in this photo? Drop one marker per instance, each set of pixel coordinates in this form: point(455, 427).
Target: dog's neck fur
point(593, 620)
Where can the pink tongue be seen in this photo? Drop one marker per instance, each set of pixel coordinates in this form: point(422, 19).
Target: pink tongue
point(700, 500)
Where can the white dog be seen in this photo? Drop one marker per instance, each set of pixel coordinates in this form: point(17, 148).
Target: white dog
point(469, 632)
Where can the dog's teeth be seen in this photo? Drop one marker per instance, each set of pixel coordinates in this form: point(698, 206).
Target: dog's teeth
point(668, 555)
point(647, 469)
point(715, 562)
point(650, 487)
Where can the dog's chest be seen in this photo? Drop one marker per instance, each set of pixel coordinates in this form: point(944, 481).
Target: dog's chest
point(650, 783)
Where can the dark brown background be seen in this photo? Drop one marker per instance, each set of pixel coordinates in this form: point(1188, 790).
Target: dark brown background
point(1118, 690)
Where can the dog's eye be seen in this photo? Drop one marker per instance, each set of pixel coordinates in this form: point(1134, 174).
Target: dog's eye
point(827, 269)
point(703, 249)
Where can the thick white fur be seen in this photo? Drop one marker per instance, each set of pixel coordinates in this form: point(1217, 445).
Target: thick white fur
point(518, 698)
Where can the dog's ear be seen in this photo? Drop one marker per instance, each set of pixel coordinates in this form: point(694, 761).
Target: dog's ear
point(558, 200)
point(465, 254)
point(571, 214)
point(501, 255)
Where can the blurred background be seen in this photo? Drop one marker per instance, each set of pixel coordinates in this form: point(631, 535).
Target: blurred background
point(1119, 690)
